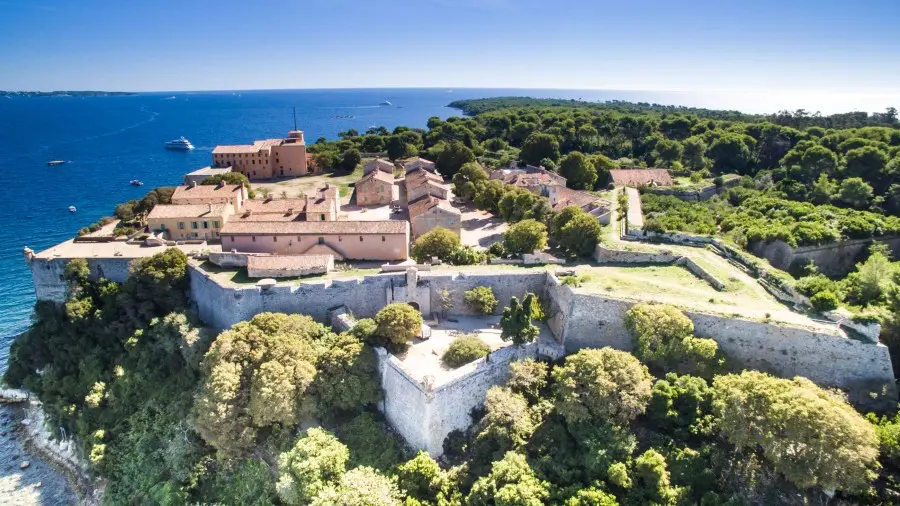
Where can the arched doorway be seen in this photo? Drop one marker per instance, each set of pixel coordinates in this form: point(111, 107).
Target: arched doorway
point(415, 305)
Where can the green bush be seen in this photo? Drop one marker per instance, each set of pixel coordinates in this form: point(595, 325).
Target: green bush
point(525, 236)
point(824, 301)
point(464, 349)
point(397, 325)
point(481, 299)
point(439, 243)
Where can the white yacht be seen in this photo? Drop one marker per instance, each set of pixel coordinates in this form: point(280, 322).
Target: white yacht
point(385, 103)
point(180, 143)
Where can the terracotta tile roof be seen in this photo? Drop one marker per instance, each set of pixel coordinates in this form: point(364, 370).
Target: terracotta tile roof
point(378, 163)
point(427, 203)
point(415, 163)
point(315, 227)
point(421, 177)
point(205, 192)
point(274, 206)
point(235, 148)
point(163, 211)
point(640, 177)
point(385, 177)
point(564, 197)
point(288, 262)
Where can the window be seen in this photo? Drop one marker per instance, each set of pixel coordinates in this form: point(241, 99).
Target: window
point(216, 224)
point(382, 238)
point(194, 235)
point(254, 238)
point(215, 234)
point(360, 238)
point(321, 240)
point(162, 226)
point(205, 224)
point(340, 238)
point(193, 225)
point(180, 225)
point(323, 218)
point(253, 162)
point(298, 238)
point(274, 239)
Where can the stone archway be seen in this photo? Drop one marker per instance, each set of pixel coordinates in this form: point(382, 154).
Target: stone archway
point(415, 305)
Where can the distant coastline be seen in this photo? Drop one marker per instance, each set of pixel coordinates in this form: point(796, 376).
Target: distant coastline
point(61, 93)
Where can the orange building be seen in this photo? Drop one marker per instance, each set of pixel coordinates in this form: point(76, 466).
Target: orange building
point(265, 159)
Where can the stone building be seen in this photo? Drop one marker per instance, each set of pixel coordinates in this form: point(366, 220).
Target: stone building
point(267, 158)
point(420, 183)
point(561, 197)
point(189, 221)
point(345, 240)
point(375, 189)
point(430, 212)
point(546, 176)
point(378, 164)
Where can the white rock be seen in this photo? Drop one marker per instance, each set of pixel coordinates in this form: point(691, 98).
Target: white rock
point(24, 464)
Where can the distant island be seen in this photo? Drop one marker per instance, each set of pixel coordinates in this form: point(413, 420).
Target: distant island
point(61, 93)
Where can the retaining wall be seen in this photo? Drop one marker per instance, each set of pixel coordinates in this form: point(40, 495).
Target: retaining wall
point(833, 259)
point(605, 254)
point(47, 274)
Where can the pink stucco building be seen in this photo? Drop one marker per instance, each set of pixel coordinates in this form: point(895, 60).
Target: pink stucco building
point(267, 158)
point(375, 189)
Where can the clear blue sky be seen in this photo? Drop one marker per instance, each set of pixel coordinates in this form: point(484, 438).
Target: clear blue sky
point(804, 45)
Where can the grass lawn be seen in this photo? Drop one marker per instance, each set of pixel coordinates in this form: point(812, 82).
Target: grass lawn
point(306, 185)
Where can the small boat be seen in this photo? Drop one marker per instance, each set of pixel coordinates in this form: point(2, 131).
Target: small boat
point(135, 182)
point(385, 103)
point(72, 209)
point(181, 144)
point(56, 162)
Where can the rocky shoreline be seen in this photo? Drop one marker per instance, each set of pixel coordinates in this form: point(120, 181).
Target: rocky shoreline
point(53, 473)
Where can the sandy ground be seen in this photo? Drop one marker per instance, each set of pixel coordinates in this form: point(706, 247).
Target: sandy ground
point(423, 358)
point(480, 228)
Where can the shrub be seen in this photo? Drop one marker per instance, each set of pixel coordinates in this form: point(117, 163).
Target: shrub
point(439, 243)
point(397, 325)
point(606, 385)
point(346, 375)
point(527, 378)
point(510, 478)
point(465, 349)
point(481, 299)
point(371, 442)
point(497, 250)
point(525, 237)
point(824, 301)
point(467, 255)
point(839, 447)
point(316, 460)
point(516, 323)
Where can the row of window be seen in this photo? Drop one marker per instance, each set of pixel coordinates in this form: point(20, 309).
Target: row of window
point(195, 225)
point(321, 240)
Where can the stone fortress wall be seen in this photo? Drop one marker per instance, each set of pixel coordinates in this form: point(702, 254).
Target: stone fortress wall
point(47, 274)
point(424, 414)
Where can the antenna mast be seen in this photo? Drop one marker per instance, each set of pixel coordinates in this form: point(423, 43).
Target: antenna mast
point(295, 118)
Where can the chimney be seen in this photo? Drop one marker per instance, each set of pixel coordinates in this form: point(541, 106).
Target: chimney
point(221, 184)
point(290, 211)
point(193, 184)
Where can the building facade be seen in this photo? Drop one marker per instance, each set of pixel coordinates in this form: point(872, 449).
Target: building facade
point(418, 163)
point(344, 240)
point(193, 194)
point(187, 222)
point(378, 164)
point(430, 212)
point(265, 159)
point(375, 189)
point(420, 183)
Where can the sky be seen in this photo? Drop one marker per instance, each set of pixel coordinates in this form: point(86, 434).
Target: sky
point(801, 47)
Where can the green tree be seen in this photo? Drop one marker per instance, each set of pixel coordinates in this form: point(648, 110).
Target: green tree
point(652, 483)
point(397, 148)
point(439, 242)
point(872, 280)
point(669, 151)
point(464, 181)
point(256, 374)
point(515, 324)
point(731, 152)
point(511, 482)
point(579, 172)
point(362, 486)
point(346, 378)
point(823, 189)
point(525, 236)
point(818, 160)
point(580, 234)
point(539, 146)
point(398, 324)
point(317, 460)
point(423, 479)
point(591, 496)
point(229, 178)
point(866, 162)
point(855, 192)
point(810, 435)
point(602, 165)
point(527, 378)
point(450, 156)
point(605, 385)
point(694, 151)
point(350, 159)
